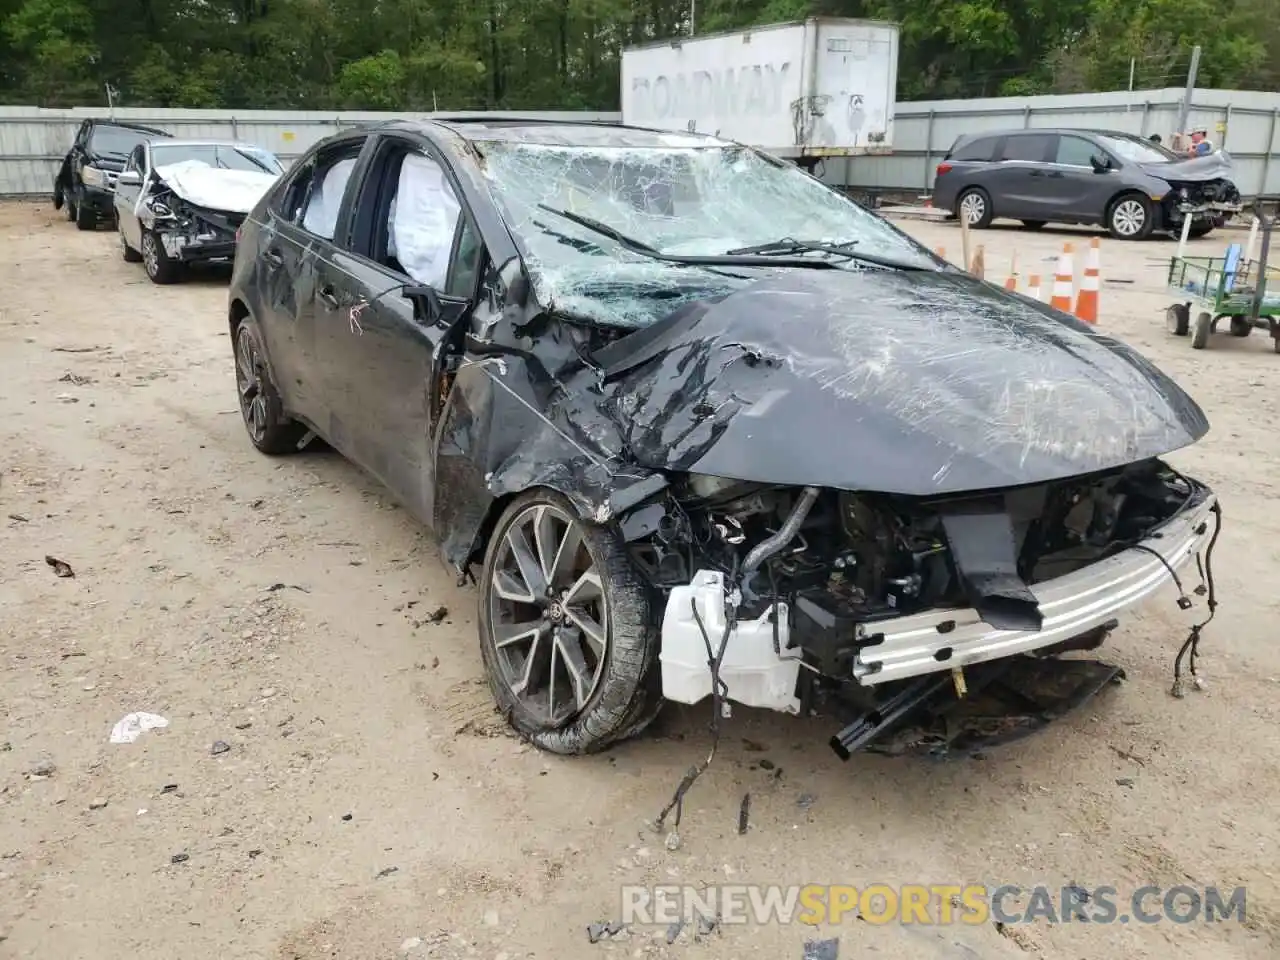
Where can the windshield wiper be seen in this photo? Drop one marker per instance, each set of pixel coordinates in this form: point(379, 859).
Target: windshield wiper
point(715, 260)
point(787, 246)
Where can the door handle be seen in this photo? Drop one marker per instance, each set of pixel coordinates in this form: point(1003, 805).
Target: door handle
point(273, 257)
point(328, 297)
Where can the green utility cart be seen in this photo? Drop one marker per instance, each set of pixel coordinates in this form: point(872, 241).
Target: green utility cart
point(1244, 292)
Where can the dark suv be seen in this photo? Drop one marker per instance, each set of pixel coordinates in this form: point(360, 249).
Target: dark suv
point(85, 183)
point(1129, 185)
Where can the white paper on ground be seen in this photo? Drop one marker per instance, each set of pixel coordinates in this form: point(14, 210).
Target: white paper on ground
point(131, 727)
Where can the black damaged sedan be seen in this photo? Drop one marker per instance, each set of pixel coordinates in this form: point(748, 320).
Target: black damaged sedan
point(699, 428)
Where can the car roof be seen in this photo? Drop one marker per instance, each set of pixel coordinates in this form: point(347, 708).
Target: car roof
point(575, 133)
point(1019, 131)
point(171, 142)
point(127, 125)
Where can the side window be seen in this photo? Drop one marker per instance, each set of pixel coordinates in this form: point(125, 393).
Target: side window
point(135, 159)
point(981, 149)
point(1076, 151)
point(421, 226)
point(314, 196)
point(1032, 147)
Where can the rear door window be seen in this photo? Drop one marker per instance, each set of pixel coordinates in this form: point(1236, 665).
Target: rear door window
point(984, 148)
point(1028, 147)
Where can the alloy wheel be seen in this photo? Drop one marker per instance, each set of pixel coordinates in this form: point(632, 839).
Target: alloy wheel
point(249, 384)
point(150, 255)
point(1129, 217)
point(973, 207)
point(549, 614)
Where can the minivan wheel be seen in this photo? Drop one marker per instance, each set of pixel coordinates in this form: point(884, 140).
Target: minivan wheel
point(269, 429)
point(1131, 217)
point(568, 644)
point(974, 205)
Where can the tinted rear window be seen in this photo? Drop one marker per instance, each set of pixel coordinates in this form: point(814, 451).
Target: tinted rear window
point(981, 149)
point(1034, 147)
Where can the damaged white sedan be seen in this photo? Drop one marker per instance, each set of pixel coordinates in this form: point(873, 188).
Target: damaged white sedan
point(180, 202)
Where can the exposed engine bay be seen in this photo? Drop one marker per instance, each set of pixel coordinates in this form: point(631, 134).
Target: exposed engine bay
point(809, 597)
point(186, 226)
point(1213, 201)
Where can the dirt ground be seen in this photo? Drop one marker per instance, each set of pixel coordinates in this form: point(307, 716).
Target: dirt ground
point(368, 802)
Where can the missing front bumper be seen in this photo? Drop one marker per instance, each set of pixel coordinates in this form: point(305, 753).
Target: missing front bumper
point(1072, 605)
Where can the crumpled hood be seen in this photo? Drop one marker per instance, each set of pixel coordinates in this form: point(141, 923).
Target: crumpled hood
point(1212, 166)
point(232, 191)
point(916, 383)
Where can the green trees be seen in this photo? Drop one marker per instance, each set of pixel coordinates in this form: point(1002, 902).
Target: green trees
point(415, 55)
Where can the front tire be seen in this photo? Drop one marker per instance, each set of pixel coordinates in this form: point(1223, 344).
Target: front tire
point(568, 643)
point(85, 217)
point(1131, 217)
point(974, 205)
point(160, 267)
point(269, 429)
point(72, 209)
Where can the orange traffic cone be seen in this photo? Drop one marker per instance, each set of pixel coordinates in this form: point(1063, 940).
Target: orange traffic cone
point(1033, 287)
point(1090, 284)
point(940, 252)
point(1063, 281)
point(1011, 282)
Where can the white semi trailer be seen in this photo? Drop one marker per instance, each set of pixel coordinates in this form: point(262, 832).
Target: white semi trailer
point(824, 87)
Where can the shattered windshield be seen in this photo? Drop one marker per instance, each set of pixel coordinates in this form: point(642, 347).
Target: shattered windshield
point(222, 156)
point(106, 140)
point(668, 200)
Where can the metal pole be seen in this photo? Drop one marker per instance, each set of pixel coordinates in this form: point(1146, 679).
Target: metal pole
point(693, 15)
point(1191, 87)
point(1132, 62)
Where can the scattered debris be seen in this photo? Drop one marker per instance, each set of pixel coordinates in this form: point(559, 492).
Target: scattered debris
point(44, 767)
point(705, 926)
point(180, 858)
point(19, 518)
point(1116, 280)
point(286, 586)
point(67, 398)
point(97, 803)
point(60, 567)
point(603, 931)
point(131, 727)
point(219, 747)
point(744, 813)
point(75, 378)
point(79, 349)
point(437, 615)
point(169, 788)
point(766, 764)
point(806, 800)
point(673, 931)
point(255, 853)
point(411, 944)
point(386, 872)
point(752, 746)
point(673, 840)
point(1126, 755)
point(822, 949)
point(1124, 782)
point(346, 816)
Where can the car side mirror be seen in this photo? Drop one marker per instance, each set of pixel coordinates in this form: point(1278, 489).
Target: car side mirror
point(1100, 163)
point(430, 307)
point(129, 178)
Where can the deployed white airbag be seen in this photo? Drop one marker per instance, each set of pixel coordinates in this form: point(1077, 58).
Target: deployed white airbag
point(233, 191)
point(424, 216)
point(321, 217)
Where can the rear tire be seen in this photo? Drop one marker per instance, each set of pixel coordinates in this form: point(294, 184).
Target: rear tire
point(1201, 330)
point(269, 429)
point(974, 204)
point(1241, 327)
point(127, 253)
point(1177, 319)
point(160, 267)
point(614, 656)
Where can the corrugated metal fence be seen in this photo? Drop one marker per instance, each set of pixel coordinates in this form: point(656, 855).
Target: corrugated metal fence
point(1241, 122)
point(34, 141)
